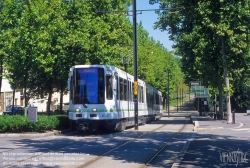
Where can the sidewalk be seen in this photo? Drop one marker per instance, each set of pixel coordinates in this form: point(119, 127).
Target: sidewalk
point(202, 123)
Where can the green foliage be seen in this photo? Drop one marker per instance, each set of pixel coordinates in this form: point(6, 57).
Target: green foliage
point(154, 61)
point(198, 29)
point(17, 123)
point(41, 40)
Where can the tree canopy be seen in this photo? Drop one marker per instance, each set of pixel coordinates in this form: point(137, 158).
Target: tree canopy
point(213, 39)
point(41, 40)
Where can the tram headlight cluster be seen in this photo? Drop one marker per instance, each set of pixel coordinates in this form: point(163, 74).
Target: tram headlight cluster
point(77, 110)
point(94, 109)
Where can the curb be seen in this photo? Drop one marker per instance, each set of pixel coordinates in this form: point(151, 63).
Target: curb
point(241, 125)
point(33, 134)
point(208, 128)
point(197, 128)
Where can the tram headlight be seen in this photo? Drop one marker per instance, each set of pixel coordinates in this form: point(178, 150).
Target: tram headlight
point(94, 109)
point(77, 110)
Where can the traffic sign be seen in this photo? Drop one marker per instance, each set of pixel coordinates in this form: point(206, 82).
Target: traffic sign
point(135, 87)
point(194, 83)
point(32, 114)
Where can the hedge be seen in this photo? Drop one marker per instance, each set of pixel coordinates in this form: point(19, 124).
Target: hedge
point(18, 123)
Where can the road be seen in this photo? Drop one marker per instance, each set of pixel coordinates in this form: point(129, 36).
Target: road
point(227, 147)
point(174, 137)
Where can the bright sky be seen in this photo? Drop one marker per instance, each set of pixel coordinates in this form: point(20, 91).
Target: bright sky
point(148, 19)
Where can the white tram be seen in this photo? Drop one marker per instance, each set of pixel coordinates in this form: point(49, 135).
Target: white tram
point(101, 96)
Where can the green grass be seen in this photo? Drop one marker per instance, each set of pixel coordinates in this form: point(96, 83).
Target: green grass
point(174, 102)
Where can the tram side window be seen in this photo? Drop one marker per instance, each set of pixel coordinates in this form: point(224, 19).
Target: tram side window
point(132, 91)
point(71, 88)
point(141, 92)
point(117, 83)
point(129, 90)
point(125, 89)
point(109, 88)
point(160, 100)
point(138, 94)
point(121, 89)
point(157, 98)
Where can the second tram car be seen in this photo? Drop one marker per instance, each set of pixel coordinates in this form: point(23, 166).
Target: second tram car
point(101, 96)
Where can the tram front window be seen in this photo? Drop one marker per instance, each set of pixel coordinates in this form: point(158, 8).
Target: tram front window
point(89, 86)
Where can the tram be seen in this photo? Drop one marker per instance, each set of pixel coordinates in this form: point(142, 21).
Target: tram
point(101, 97)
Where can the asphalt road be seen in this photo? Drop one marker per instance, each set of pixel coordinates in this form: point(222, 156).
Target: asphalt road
point(227, 147)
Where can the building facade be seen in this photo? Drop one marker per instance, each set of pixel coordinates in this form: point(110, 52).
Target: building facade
point(6, 98)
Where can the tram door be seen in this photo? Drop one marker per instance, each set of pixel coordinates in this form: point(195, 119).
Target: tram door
point(130, 99)
point(150, 101)
point(117, 95)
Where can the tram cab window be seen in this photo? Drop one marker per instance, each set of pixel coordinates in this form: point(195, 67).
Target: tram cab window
point(109, 92)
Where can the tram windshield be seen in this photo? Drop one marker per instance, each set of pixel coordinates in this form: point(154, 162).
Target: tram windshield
point(89, 86)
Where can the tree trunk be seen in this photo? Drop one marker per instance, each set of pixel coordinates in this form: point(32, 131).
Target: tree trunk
point(229, 114)
point(1, 72)
point(220, 88)
point(13, 100)
point(49, 101)
point(25, 90)
point(61, 99)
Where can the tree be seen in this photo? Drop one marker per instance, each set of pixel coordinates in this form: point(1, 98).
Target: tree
point(226, 22)
point(44, 39)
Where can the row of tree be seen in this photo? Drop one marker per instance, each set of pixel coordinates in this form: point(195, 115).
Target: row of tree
point(40, 40)
point(213, 39)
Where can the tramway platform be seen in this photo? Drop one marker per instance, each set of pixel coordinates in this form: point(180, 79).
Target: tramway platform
point(202, 123)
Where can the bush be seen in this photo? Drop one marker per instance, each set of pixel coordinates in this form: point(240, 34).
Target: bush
point(15, 123)
point(18, 123)
point(63, 121)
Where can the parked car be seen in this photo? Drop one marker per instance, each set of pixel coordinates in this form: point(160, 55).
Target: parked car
point(9, 106)
point(16, 110)
point(248, 110)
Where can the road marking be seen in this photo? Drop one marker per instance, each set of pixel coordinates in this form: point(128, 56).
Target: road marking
point(241, 129)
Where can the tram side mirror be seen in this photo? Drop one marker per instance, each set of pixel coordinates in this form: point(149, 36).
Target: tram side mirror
point(68, 84)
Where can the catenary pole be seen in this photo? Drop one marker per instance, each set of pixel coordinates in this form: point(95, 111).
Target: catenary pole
point(135, 55)
point(135, 65)
point(168, 94)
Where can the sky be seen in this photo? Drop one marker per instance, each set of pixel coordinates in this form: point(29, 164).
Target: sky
point(148, 19)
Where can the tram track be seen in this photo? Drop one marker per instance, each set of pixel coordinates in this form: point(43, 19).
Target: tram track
point(69, 145)
point(94, 159)
point(149, 160)
point(147, 163)
point(118, 147)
